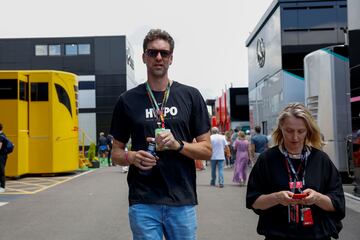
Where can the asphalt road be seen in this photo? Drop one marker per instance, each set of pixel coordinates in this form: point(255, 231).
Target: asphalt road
point(94, 206)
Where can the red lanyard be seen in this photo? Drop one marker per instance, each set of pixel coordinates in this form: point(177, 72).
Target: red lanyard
point(159, 112)
point(290, 168)
point(296, 174)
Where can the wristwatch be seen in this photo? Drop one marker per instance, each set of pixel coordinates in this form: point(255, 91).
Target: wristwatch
point(181, 145)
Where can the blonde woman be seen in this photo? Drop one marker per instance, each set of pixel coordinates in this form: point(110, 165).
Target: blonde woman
point(294, 187)
point(242, 148)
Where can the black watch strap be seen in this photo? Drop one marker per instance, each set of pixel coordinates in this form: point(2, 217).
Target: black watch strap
point(181, 145)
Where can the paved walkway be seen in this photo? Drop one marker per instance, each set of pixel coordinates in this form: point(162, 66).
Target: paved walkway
point(94, 206)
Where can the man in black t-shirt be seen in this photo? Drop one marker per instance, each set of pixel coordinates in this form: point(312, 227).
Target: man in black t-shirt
point(162, 184)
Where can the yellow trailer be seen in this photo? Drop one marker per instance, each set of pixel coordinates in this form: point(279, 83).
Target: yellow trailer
point(39, 111)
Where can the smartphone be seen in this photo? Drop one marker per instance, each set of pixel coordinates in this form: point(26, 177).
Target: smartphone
point(299, 195)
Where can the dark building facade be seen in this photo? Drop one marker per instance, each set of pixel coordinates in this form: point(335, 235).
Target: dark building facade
point(239, 108)
point(231, 109)
point(104, 66)
point(289, 30)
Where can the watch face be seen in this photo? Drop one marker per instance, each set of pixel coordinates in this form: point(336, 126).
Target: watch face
point(260, 52)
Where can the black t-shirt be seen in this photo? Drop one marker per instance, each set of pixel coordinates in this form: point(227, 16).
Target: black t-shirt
point(102, 141)
point(3, 146)
point(173, 179)
point(270, 175)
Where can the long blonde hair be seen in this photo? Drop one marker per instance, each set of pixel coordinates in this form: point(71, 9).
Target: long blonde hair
point(298, 110)
point(241, 135)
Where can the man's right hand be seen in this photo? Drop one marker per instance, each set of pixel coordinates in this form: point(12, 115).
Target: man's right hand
point(142, 159)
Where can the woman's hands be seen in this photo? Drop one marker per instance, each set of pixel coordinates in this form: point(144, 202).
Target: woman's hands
point(285, 198)
point(313, 197)
point(266, 201)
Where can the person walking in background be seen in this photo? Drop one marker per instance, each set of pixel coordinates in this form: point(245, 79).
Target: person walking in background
point(234, 136)
point(3, 158)
point(219, 144)
point(102, 145)
point(109, 142)
point(259, 143)
point(162, 183)
point(242, 148)
point(228, 150)
point(294, 187)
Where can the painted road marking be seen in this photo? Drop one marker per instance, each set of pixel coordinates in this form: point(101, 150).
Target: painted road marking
point(3, 203)
point(32, 185)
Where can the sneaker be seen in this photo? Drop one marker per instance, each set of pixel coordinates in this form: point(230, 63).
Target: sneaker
point(221, 185)
point(2, 190)
point(124, 169)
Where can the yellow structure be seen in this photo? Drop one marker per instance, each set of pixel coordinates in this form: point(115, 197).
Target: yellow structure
point(39, 111)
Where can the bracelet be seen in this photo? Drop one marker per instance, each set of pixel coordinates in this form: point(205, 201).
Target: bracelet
point(127, 157)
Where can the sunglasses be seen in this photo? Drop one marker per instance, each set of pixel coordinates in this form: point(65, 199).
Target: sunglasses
point(154, 52)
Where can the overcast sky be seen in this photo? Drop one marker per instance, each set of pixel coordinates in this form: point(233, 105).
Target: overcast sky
point(209, 35)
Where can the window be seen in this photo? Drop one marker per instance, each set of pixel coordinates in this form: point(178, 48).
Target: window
point(41, 50)
point(48, 50)
point(63, 97)
point(55, 50)
point(71, 49)
point(8, 89)
point(84, 49)
point(241, 100)
point(87, 85)
point(39, 92)
point(24, 91)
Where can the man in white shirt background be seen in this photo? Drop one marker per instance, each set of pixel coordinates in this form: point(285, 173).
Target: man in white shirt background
point(218, 143)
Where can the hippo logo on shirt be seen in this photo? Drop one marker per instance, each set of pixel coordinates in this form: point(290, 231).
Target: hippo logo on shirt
point(149, 112)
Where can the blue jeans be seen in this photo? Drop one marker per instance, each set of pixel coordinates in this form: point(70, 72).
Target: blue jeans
point(220, 164)
point(152, 221)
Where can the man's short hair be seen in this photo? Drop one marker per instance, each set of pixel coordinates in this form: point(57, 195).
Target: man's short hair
point(258, 129)
point(214, 130)
point(1, 127)
point(155, 34)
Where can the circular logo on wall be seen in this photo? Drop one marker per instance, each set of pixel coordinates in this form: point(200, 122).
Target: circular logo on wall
point(260, 52)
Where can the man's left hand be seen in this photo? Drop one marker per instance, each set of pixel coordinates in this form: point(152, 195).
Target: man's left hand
point(165, 141)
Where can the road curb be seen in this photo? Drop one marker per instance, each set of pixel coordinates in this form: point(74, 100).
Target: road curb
point(351, 196)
